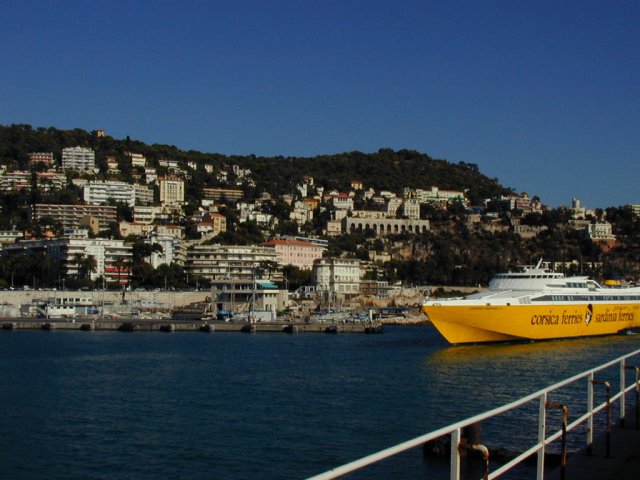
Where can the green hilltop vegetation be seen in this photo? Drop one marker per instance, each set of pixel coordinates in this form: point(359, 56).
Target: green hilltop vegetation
point(385, 169)
point(460, 248)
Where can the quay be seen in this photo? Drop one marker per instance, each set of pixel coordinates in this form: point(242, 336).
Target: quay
point(169, 325)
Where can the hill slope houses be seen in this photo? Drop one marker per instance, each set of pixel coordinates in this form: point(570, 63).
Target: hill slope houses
point(385, 169)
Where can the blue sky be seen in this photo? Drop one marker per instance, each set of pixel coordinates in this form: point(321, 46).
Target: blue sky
point(542, 95)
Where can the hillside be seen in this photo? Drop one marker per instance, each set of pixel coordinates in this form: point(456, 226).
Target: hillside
point(385, 169)
point(460, 248)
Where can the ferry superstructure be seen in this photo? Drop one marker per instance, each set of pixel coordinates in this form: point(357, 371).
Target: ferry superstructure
point(535, 304)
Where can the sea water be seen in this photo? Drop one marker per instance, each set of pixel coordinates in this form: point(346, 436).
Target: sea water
point(149, 405)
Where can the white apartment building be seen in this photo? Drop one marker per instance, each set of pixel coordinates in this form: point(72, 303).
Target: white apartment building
point(173, 250)
point(151, 214)
point(137, 159)
point(337, 276)
point(144, 194)
point(21, 180)
point(230, 262)
point(302, 213)
point(599, 231)
point(170, 164)
point(103, 192)
point(112, 256)
point(112, 165)
point(393, 204)
point(16, 180)
point(79, 159)
point(410, 209)
point(171, 191)
point(342, 201)
point(435, 195)
point(150, 175)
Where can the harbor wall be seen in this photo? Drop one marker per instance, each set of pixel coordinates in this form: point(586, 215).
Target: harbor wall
point(172, 299)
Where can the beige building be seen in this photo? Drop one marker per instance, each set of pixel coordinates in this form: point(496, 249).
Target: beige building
point(150, 214)
point(337, 276)
point(70, 215)
point(213, 225)
point(41, 157)
point(171, 191)
point(386, 226)
point(135, 229)
point(144, 195)
point(218, 194)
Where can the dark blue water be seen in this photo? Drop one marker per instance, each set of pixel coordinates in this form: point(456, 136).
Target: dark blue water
point(107, 405)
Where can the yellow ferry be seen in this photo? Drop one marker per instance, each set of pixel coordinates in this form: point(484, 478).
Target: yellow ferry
point(535, 304)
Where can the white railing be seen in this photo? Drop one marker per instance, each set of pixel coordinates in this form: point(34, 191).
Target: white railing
point(541, 396)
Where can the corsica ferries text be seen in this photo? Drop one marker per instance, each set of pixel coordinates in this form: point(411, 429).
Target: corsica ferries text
point(552, 319)
point(572, 319)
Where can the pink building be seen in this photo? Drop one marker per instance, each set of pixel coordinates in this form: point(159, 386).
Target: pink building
point(295, 252)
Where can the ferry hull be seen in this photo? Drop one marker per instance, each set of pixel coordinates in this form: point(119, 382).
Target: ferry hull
point(460, 323)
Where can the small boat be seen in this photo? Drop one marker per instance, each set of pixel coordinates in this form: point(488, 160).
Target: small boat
point(535, 304)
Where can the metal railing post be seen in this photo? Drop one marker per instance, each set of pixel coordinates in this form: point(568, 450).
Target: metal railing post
point(542, 425)
point(607, 386)
point(563, 441)
point(623, 412)
point(455, 455)
point(637, 390)
point(590, 412)
point(485, 459)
